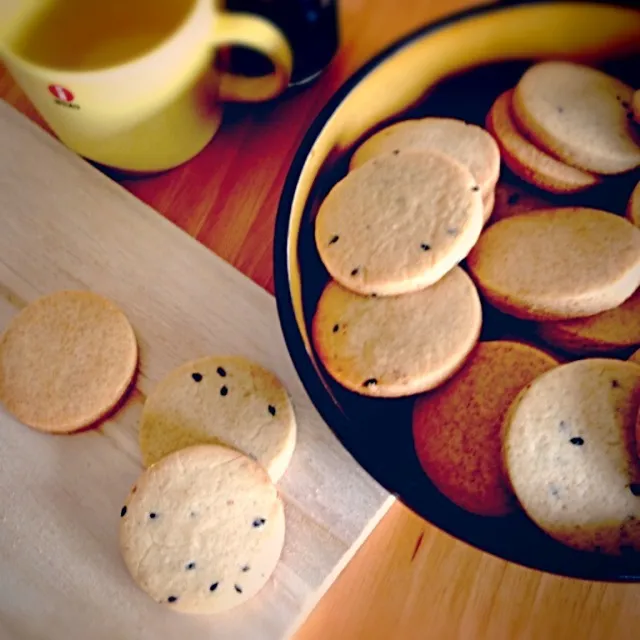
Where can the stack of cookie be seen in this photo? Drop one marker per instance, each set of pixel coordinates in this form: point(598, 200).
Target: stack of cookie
point(203, 528)
point(399, 316)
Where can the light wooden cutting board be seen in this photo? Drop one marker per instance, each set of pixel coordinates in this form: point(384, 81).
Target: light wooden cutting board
point(65, 225)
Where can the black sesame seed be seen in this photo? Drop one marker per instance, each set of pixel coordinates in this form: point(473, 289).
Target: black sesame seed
point(425, 247)
point(577, 441)
point(172, 599)
point(452, 232)
point(221, 372)
point(258, 522)
point(230, 503)
point(476, 188)
point(396, 152)
point(374, 295)
point(245, 568)
point(355, 271)
point(336, 328)
point(238, 588)
point(193, 514)
point(197, 377)
point(224, 390)
point(371, 382)
point(334, 239)
point(214, 586)
point(123, 511)
point(634, 487)
point(560, 110)
point(191, 565)
point(513, 198)
point(153, 515)
point(615, 384)
point(272, 410)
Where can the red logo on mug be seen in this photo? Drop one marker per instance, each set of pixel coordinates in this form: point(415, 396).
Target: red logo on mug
point(61, 93)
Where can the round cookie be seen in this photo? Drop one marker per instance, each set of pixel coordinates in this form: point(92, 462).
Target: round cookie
point(397, 346)
point(220, 400)
point(633, 207)
point(66, 360)
point(578, 114)
point(527, 161)
point(202, 530)
point(399, 223)
point(456, 428)
point(569, 450)
point(557, 263)
point(635, 357)
point(467, 143)
point(612, 330)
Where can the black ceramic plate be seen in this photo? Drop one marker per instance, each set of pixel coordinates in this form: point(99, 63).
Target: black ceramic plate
point(453, 68)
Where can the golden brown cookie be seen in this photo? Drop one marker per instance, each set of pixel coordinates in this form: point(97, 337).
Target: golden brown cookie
point(569, 450)
point(397, 346)
point(578, 114)
point(202, 530)
point(527, 161)
point(467, 143)
point(557, 264)
point(611, 330)
point(633, 207)
point(66, 360)
point(399, 223)
point(220, 400)
point(456, 428)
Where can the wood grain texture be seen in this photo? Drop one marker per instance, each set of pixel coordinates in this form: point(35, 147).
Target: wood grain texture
point(64, 225)
point(409, 580)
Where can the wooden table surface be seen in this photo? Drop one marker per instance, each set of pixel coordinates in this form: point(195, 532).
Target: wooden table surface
point(409, 580)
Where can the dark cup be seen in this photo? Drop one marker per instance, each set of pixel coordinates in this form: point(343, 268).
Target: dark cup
point(311, 26)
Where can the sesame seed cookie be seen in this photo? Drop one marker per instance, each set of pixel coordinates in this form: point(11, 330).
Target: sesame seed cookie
point(527, 161)
point(221, 400)
point(612, 330)
point(569, 450)
point(202, 530)
point(557, 264)
point(399, 223)
point(467, 143)
point(578, 114)
point(397, 346)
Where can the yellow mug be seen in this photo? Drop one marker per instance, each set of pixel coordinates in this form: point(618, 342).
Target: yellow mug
point(132, 84)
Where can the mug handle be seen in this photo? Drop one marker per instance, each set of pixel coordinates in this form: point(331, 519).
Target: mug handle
point(251, 31)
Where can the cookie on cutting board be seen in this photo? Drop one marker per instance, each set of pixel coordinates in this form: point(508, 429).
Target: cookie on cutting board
point(456, 428)
point(467, 143)
point(202, 530)
point(578, 114)
point(399, 223)
point(66, 360)
point(557, 264)
point(569, 450)
point(612, 330)
point(527, 161)
point(400, 345)
point(220, 400)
